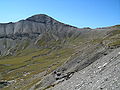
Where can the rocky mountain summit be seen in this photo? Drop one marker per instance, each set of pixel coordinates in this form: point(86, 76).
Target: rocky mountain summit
point(34, 28)
point(41, 53)
point(35, 25)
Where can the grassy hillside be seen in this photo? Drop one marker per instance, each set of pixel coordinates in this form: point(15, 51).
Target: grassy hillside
point(32, 61)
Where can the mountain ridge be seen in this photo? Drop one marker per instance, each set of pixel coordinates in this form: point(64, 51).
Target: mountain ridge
point(40, 52)
point(36, 24)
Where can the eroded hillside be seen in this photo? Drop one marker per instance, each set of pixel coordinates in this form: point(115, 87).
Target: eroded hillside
point(40, 52)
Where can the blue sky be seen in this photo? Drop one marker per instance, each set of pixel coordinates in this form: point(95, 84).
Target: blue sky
point(80, 13)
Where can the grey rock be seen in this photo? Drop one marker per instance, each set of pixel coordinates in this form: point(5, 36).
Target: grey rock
point(103, 74)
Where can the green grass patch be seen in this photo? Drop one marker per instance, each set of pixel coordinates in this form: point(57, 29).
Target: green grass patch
point(33, 61)
point(115, 43)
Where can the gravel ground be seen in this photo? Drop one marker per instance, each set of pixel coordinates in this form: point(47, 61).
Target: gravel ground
point(103, 74)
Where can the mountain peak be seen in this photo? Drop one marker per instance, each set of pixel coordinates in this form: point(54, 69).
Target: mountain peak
point(39, 15)
point(41, 18)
